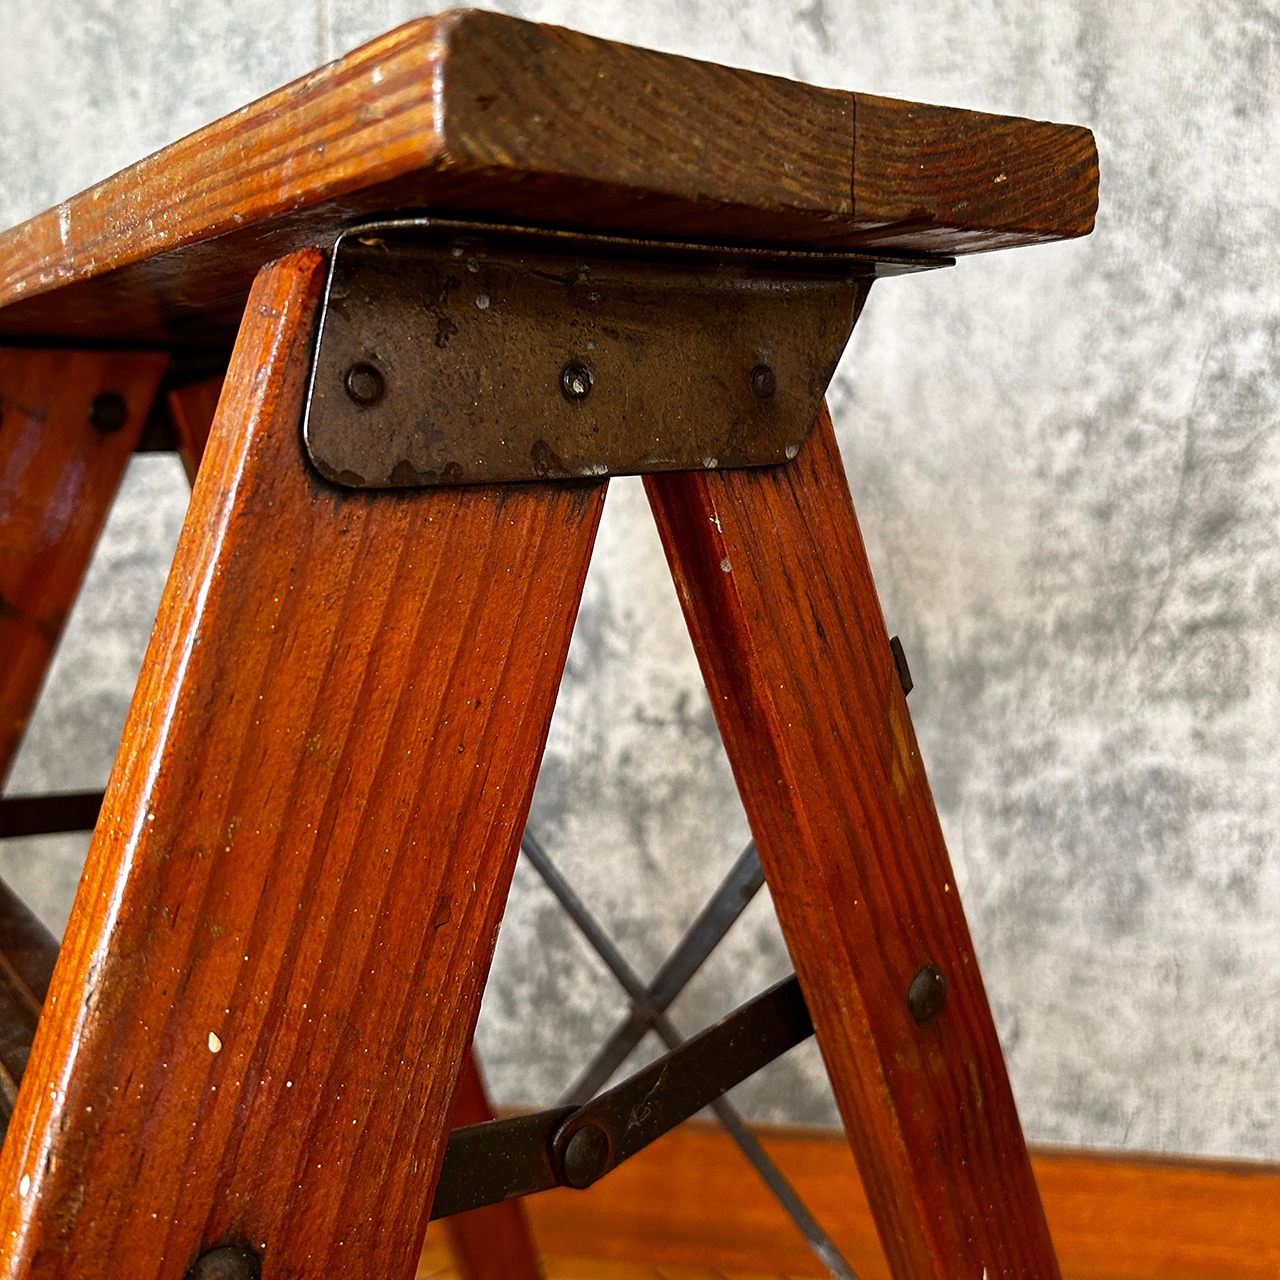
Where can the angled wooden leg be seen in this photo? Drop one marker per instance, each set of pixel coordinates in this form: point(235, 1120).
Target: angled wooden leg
point(191, 410)
point(68, 422)
point(778, 596)
point(493, 1243)
point(275, 960)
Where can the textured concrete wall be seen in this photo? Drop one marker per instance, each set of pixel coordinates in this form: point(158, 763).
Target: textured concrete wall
point(1068, 471)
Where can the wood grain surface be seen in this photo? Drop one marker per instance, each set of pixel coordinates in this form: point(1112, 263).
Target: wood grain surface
point(492, 1243)
point(691, 1200)
point(58, 476)
point(275, 959)
point(479, 113)
point(777, 593)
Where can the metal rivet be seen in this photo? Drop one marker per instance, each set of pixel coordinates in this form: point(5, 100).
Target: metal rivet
point(364, 384)
point(764, 382)
point(586, 1156)
point(927, 994)
point(109, 412)
point(229, 1262)
point(575, 381)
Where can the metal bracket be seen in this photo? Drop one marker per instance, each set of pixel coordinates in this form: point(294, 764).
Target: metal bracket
point(575, 1146)
point(466, 353)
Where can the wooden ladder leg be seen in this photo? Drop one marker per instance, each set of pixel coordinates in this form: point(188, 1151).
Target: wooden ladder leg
point(778, 596)
point(276, 956)
point(68, 422)
point(492, 1243)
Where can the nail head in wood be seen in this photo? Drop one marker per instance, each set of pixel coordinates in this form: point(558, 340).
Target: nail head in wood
point(108, 412)
point(927, 994)
point(228, 1262)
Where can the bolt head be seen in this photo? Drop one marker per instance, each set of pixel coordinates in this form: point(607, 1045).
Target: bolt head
point(365, 384)
point(586, 1156)
point(228, 1262)
point(108, 412)
point(764, 382)
point(575, 381)
point(927, 994)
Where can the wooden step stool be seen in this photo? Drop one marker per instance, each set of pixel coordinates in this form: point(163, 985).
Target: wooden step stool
point(487, 264)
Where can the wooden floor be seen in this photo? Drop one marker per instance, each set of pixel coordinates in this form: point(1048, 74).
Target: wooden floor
point(690, 1208)
point(437, 1264)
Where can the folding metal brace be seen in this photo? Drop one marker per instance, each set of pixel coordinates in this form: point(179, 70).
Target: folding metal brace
point(465, 353)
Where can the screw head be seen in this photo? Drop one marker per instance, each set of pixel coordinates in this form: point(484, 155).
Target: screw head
point(764, 382)
point(927, 994)
point(108, 412)
point(228, 1262)
point(575, 381)
point(365, 384)
point(586, 1156)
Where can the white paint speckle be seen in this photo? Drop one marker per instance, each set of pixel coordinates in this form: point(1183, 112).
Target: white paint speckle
point(725, 565)
point(215, 1045)
point(25, 1185)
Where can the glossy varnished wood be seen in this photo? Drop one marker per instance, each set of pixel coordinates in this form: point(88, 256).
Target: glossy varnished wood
point(691, 1200)
point(777, 592)
point(191, 411)
point(58, 476)
point(275, 959)
point(483, 114)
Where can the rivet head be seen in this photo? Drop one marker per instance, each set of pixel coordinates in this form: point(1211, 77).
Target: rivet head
point(364, 384)
point(764, 382)
point(586, 1156)
point(575, 381)
point(108, 412)
point(228, 1262)
point(927, 994)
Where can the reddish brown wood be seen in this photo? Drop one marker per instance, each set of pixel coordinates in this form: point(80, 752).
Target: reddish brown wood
point(58, 476)
point(492, 1243)
point(484, 114)
point(690, 1200)
point(774, 581)
point(191, 411)
point(275, 959)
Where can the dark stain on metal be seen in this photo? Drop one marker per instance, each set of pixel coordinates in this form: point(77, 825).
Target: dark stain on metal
point(364, 384)
point(575, 381)
point(229, 1262)
point(764, 382)
point(927, 994)
point(465, 326)
point(900, 661)
point(108, 412)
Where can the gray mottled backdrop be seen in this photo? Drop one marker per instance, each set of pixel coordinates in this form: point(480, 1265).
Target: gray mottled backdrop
point(1067, 463)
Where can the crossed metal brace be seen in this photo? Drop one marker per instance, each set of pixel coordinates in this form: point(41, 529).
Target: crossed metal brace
point(648, 1011)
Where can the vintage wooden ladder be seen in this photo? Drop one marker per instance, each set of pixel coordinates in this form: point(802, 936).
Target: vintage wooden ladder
point(455, 280)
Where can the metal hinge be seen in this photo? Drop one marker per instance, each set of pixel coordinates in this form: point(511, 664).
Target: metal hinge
point(465, 353)
point(575, 1146)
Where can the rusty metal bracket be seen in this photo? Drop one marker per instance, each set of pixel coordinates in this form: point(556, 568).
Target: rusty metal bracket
point(465, 353)
point(575, 1146)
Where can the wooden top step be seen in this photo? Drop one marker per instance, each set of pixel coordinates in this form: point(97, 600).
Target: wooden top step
point(477, 113)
